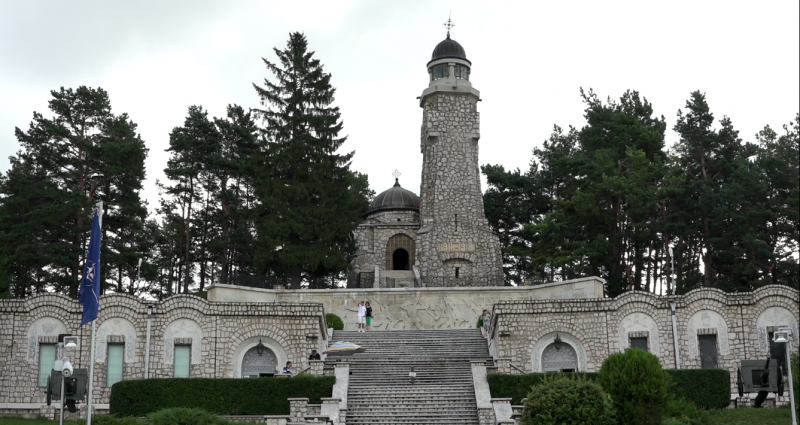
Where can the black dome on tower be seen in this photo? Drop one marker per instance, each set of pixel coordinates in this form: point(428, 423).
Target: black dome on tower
point(395, 199)
point(449, 48)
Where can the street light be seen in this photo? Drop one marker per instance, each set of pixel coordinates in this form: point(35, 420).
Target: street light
point(260, 348)
point(784, 336)
point(557, 341)
point(65, 367)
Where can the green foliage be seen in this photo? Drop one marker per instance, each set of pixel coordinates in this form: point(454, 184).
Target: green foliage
point(637, 385)
point(334, 321)
point(516, 387)
point(67, 162)
point(265, 396)
point(114, 420)
point(706, 388)
point(479, 324)
point(310, 200)
point(683, 412)
point(184, 416)
point(567, 399)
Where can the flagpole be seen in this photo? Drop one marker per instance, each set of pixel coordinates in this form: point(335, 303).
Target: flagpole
point(91, 379)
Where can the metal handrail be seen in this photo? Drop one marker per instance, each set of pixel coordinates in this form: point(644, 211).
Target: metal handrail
point(518, 369)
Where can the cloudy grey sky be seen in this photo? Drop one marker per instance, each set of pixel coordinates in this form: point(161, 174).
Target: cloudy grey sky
point(156, 58)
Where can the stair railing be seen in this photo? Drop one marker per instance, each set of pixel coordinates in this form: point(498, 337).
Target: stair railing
point(518, 369)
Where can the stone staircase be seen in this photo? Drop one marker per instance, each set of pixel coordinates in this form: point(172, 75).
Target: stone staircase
point(381, 391)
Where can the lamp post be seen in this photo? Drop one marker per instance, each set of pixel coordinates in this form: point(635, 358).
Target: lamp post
point(65, 367)
point(784, 335)
point(557, 341)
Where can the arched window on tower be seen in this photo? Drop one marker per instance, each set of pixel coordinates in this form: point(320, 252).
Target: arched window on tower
point(400, 253)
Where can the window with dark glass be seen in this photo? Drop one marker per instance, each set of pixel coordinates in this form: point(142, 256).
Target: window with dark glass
point(708, 351)
point(639, 342)
point(462, 72)
point(440, 71)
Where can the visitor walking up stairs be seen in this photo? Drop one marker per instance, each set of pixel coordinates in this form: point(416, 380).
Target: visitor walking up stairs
point(383, 390)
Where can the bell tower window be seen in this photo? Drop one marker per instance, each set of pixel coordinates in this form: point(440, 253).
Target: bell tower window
point(441, 71)
point(462, 72)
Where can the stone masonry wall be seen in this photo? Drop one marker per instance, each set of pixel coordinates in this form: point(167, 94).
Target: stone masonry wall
point(218, 334)
point(451, 187)
point(521, 330)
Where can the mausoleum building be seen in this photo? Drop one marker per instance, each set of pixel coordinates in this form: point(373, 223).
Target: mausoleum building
point(442, 237)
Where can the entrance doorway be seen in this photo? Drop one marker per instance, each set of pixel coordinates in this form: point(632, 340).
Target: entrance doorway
point(400, 259)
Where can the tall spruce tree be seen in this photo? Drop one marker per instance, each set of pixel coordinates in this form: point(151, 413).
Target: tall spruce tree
point(309, 199)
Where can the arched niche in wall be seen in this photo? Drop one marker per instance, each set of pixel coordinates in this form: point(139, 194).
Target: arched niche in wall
point(115, 326)
point(771, 319)
point(400, 247)
point(545, 357)
point(707, 322)
point(640, 325)
point(183, 329)
point(244, 351)
point(45, 329)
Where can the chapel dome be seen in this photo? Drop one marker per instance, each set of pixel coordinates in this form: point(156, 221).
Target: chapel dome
point(395, 199)
point(449, 48)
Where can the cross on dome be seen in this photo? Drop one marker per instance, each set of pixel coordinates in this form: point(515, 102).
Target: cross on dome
point(449, 25)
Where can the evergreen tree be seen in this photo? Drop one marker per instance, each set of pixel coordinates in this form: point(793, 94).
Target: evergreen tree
point(309, 200)
point(68, 162)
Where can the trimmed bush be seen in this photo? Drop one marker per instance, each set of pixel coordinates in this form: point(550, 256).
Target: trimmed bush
point(683, 412)
point(264, 396)
point(637, 385)
point(517, 387)
point(706, 388)
point(567, 399)
point(184, 416)
point(113, 420)
point(334, 322)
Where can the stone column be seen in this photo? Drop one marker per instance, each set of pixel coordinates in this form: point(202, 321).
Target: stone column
point(502, 410)
point(330, 409)
point(342, 373)
point(316, 367)
point(298, 407)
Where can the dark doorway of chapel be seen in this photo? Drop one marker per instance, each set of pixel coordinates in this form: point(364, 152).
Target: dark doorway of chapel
point(400, 259)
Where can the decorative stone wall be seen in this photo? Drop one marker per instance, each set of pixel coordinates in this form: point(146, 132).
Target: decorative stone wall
point(372, 237)
point(454, 226)
point(218, 333)
point(522, 330)
point(413, 308)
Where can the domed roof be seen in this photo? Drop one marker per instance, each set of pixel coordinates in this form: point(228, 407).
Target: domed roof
point(395, 199)
point(449, 48)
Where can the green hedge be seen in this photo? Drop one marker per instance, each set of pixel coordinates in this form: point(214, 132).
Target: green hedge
point(517, 387)
point(334, 321)
point(706, 388)
point(264, 396)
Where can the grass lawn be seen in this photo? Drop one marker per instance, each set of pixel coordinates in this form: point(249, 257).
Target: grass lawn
point(749, 416)
point(16, 421)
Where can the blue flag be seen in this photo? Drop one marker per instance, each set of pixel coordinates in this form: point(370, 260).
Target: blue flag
point(90, 284)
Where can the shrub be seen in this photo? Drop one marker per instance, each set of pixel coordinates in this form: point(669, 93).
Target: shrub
point(516, 387)
point(565, 399)
point(334, 322)
point(637, 385)
point(265, 396)
point(706, 388)
point(113, 420)
point(683, 412)
point(184, 416)
point(480, 323)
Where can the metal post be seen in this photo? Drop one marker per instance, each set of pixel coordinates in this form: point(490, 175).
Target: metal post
point(91, 379)
point(791, 383)
point(147, 343)
point(675, 335)
point(63, 399)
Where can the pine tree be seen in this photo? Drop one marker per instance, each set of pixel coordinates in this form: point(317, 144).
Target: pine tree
point(309, 200)
point(67, 162)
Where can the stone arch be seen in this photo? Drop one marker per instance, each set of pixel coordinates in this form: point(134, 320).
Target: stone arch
point(557, 358)
point(183, 328)
point(707, 318)
point(546, 343)
point(115, 326)
point(774, 315)
point(248, 337)
point(46, 327)
point(640, 322)
point(253, 363)
point(400, 241)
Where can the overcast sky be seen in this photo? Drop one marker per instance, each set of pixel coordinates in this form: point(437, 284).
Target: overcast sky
point(156, 58)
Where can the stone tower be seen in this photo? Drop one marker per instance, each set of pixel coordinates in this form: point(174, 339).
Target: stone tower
point(454, 239)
